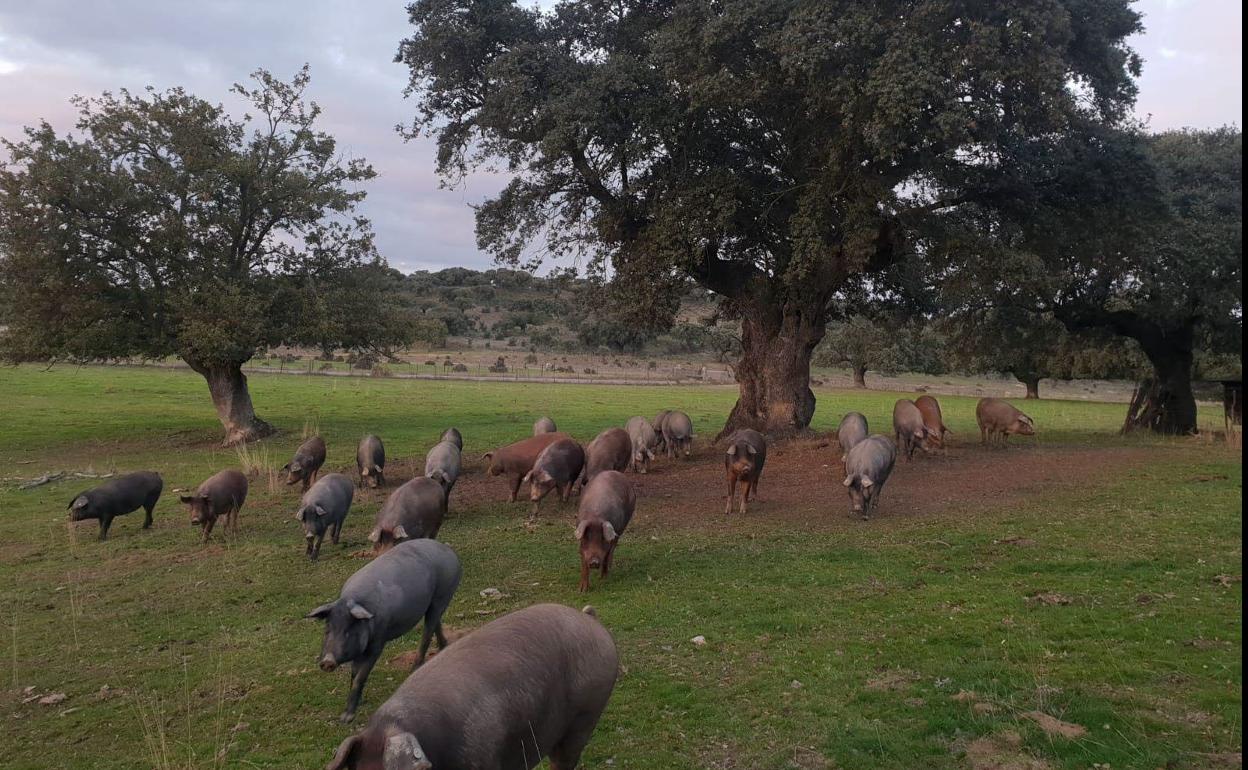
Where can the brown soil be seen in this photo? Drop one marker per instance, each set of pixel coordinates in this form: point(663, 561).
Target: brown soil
point(801, 486)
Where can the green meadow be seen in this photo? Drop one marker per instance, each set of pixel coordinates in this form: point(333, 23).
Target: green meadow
point(1111, 603)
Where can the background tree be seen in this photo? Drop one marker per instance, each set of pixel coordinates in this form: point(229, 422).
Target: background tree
point(1027, 346)
point(166, 227)
point(770, 151)
point(859, 343)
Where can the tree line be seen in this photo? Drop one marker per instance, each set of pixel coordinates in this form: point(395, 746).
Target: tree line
point(805, 162)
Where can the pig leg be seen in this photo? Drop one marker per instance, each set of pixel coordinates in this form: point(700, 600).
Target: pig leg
point(360, 669)
point(584, 575)
point(732, 494)
point(745, 494)
point(105, 523)
point(606, 562)
point(147, 519)
point(566, 754)
point(515, 488)
point(337, 531)
point(208, 528)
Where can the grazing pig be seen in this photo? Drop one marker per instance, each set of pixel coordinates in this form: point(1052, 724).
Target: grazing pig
point(557, 467)
point(643, 440)
point(609, 451)
point(117, 497)
point(910, 431)
point(933, 419)
point(544, 425)
point(866, 470)
point(222, 494)
point(743, 463)
point(384, 600)
point(413, 511)
point(660, 418)
point(853, 429)
point(606, 508)
point(677, 433)
point(443, 464)
point(454, 436)
point(516, 460)
point(370, 460)
point(307, 462)
point(528, 685)
point(999, 419)
point(323, 509)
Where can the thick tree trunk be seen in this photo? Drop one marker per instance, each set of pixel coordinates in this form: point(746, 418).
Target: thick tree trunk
point(774, 371)
point(860, 376)
point(228, 386)
point(1168, 404)
point(1033, 386)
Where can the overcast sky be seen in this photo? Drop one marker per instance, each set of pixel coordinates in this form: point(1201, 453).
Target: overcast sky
point(53, 49)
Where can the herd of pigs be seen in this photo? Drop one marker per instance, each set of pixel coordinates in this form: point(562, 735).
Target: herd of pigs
point(533, 683)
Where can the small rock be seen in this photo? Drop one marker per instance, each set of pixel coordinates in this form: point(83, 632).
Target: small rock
point(699, 641)
point(491, 593)
point(53, 699)
point(796, 685)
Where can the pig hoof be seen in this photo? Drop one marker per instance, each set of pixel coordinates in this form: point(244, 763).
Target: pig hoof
point(346, 717)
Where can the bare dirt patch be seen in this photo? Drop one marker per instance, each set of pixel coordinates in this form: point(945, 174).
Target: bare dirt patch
point(1056, 727)
point(1001, 752)
point(801, 485)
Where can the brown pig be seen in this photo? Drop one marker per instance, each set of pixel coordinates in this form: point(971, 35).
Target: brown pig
point(743, 463)
point(222, 494)
point(609, 451)
point(516, 460)
point(306, 463)
point(557, 467)
point(933, 420)
point(999, 420)
point(606, 508)
point(909, 429)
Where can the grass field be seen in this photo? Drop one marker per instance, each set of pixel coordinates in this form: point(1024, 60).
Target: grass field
point(923, 638)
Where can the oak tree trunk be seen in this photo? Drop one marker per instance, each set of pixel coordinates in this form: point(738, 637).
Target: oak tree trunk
point(1168, 404)
point(228, 387)
point(774, 370)
point(1033, 386)
point(860, 376)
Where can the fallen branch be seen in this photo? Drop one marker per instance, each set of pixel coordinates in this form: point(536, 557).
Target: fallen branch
point(48, 478)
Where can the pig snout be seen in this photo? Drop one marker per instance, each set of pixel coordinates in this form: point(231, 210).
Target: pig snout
point(328, 663)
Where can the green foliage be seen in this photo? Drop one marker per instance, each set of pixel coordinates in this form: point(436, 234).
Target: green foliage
point(860, 343)
point(165, 226)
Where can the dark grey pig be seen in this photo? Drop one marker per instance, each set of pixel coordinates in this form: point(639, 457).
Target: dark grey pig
point(853, 429)
point(117, 497)
point(323, 509)
point(442, 464)
point(743, 464)
point(909, 428)
point(414, 510)
point(308, 459)
point(609, 451)
point(454, 436)
point(544, 425)
point(657, 424)
point(222, 494)
point(643, 438)
point(370, 461)
point(606, 508)
point(383, 600)
point(557, 467)
point(529, 685)
point(677, 433)
point(866, 470)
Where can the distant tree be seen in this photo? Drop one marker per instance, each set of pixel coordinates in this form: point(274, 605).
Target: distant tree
point(363, 310)
point(769, 151)
point(859, 343)
point(167, 227)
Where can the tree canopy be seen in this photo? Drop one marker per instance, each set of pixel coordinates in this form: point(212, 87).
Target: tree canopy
point(771, 151)
point(167, 227)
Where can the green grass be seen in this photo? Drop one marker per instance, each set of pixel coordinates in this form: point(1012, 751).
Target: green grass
point(847, 646)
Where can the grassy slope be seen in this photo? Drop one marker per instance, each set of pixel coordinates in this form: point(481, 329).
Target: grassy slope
point(204, 651)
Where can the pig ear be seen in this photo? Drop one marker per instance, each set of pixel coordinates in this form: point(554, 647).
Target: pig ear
point(487, 456)
point(375, 535)
point(285, 467)
point(295, 467)
point(403, 752)
point(377, 469)
point(400, 533)
point(365, 471)
point(580, 529)
point(732, 451)
point(527, 478)
point(359, 612)
point(849, 481)
point(345, 754)
point(320, 511)
point(321, 611)
point(80, 501)
point(866, 482)
point(300, 514)
point(608, 532)
point(205, 498)
point(751, 450)
point(186, 499)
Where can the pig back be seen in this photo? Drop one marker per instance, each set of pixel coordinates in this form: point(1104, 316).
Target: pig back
point(124, 494)
point(677, 426)
point(873, 457)
point(906, 417)
point(520, 456)
point(852, 430)
point(225, 490)
point(562, 459)
point(454, 436)
point(610, 496)
point(333, 492)
point(929, 409)
point(311, 453)
point(370, 453)
point(418, 506)
point(610, 450)
point(444, 456)
point(400, 585)
point(539, 669)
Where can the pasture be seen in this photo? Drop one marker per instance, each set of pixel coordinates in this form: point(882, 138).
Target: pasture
point(1079, 576)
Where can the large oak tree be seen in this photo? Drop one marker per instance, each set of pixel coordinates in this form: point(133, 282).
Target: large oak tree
point(166, 227)
point(772, 150)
